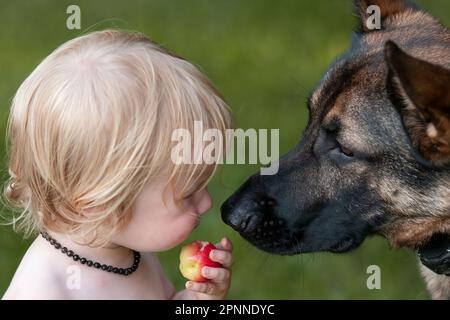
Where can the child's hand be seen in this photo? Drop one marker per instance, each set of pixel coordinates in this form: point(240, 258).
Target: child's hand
point(217, 287)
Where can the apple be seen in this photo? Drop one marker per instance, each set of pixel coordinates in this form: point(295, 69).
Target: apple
point(195, 256)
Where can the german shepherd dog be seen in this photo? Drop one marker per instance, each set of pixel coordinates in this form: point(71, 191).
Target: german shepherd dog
point(375, 155)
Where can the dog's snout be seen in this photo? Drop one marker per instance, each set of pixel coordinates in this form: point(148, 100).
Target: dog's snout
point(244, 215)
point(240, 219)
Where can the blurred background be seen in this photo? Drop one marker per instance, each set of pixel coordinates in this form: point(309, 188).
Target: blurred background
point(265, 57)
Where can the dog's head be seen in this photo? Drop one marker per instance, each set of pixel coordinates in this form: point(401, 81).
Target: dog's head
point(371, 159)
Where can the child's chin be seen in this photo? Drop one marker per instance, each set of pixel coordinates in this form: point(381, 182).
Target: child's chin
point(183, 236)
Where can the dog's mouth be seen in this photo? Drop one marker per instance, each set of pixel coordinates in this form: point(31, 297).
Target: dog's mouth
point(281, 243)
point(345, 245)
point(272, 236)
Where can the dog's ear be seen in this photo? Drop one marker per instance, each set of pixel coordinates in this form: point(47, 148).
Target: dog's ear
point(421, 92)
point(387, 8)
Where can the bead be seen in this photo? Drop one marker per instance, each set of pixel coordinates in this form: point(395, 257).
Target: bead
point(90, 263)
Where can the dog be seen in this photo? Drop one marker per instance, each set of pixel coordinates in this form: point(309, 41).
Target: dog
point(374, 157)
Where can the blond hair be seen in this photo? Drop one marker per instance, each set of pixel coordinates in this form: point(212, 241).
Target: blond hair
point(92, 124)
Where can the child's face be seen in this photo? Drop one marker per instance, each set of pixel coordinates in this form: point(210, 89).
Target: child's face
point(158, 226)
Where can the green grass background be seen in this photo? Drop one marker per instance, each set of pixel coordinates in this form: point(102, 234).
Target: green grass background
point(265, 57)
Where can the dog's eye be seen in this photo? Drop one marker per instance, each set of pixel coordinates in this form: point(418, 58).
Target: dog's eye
point(341, 155)
point(346, 151)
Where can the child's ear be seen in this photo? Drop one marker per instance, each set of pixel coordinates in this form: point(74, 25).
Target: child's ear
point(388, 8)
point(421, 92)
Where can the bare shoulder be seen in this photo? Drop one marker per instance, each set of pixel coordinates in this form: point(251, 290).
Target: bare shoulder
point(36, 276)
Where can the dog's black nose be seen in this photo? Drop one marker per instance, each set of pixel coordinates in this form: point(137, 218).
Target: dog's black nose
point(245, 214)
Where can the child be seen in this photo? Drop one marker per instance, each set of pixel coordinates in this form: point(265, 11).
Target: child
point(90, 163)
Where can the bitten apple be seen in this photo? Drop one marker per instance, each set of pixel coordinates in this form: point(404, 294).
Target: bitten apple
point(195, 256)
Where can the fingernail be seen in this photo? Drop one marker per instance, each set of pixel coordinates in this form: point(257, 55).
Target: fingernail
point(217, 254)
point(206, 271)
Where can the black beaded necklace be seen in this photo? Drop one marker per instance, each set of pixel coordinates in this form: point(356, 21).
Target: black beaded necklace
point(90, 263)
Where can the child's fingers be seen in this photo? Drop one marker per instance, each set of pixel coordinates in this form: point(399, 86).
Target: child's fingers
point(225, 258)
point(225, 244)
point(216, 274)
point(203, 287)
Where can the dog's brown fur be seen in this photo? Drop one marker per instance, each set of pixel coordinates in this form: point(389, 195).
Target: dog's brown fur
point(424, 87)
point(425, 111)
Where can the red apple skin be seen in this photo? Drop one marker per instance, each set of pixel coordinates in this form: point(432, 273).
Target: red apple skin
point(195, 256)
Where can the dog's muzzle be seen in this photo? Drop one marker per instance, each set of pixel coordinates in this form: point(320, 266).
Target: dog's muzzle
point(249, 215)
